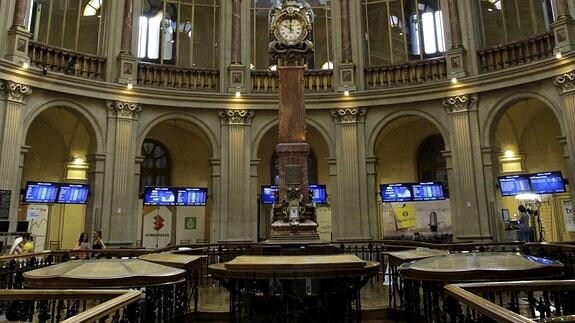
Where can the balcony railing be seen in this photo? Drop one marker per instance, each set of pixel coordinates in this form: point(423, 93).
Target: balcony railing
point(318, 81)
point(406, 74)
point(517, 53)
point(66, 61)
point(167, 76)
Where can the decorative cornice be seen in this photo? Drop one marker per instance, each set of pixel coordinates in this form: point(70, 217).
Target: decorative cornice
point(15, 92)
point(235, 116)
point(566, 82)
point(124, 110)
point(461, 103)
point(348, 115)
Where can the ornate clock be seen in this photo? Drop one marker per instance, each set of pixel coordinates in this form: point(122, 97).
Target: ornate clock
point(290, 32)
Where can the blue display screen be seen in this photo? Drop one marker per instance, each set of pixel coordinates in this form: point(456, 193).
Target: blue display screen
point(41, 192)
point(192, 196)
point(268, 194)
point(159, 196)
point(514, 184)
point(399, 192)
point(319, 193)
point(547, 183)
point(429, 191)
point(73, 193)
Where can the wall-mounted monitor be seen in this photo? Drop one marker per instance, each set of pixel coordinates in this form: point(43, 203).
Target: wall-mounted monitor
point(268, 194)
point(319, 193)
point(512, 185)
point(398, 192)
point(547, 182)
point(191, 196)
point(73, 193)
point(159, 196)
point(427, 191)
point(40, 192)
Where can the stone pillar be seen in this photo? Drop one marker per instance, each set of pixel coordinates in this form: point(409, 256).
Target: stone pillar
point(566, 84)
point(456, 55)
point(119, 215)
point(563, 28)
point(352, 213)
point(347, 66)
point(236, 219)
point(236, 69)
point(13, 97)
point(217, 208)
point(469, 211)
point(128, 64)
point(96, 179)
point(18, 36)
point(372, 189)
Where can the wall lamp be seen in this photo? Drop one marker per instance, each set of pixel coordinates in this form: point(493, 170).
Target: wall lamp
point(557, 52)
point(129, 84)
point(345, 90)
point(454, 78)
point(238, 92)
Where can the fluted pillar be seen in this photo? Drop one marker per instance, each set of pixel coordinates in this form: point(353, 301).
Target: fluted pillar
point(469, 211)
point(236, 219)
point(119, 217)
point(566, 84)
point(352, 213)
point(18, 36)
point(13, 98)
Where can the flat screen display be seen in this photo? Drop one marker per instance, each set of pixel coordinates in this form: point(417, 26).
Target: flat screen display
point(399, 192)
point(319, 193)
point(191, 196)
point(268, 194)
point(159, 196)
point(514, 184)
point(428, 191)
point(73, 193)
point(40, 192)
point(547, 182)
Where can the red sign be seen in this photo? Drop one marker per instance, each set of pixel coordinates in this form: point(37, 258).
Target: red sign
point(158, 222)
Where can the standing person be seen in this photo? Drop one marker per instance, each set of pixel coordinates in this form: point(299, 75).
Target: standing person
point(18, 244)
point(97, 242)
point(523, 224)
point(83, 244)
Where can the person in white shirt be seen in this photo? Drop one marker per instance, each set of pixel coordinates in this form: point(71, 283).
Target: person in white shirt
point(18, 245)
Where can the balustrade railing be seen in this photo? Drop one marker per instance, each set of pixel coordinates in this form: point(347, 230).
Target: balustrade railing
point(167, 76)
point(406, 74)
point(517, 53)
point(53, 59)
point(316, 81)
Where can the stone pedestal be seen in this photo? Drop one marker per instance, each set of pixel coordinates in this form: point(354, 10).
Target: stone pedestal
point(17, 50)
point(128, 73)
point(564, 30)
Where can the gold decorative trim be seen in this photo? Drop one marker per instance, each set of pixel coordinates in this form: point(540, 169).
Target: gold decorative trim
point(236, 116)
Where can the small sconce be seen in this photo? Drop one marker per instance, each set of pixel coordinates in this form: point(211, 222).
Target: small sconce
point(25, 64)
point(129, 85)
point(238, 92)
point(79, 160)
point(508, 154)
point(557, 52)
point(454, 78)
point(345, 90)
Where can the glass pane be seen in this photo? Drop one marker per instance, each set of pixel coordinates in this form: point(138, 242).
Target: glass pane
point(154, 23)
point(142, 40)
point(43, 15)
point(512, 22)
point(378, 34)
point(185, 31)
point(89, 33)
point(204, 37)
point(260, 49)
point(493, 28)
point(71, 16)
point(397, 31)
point(56, 27)
point(162, 162)
point(526, 19)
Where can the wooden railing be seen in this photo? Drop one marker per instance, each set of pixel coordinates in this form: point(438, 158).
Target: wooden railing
point(318, 81)
point(517, 53)
point(53, 59)
point(406, 74)
point(72, 306)
point(167, 76)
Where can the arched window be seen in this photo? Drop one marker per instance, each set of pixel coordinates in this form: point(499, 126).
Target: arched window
point(322, 55)
point(311, 169)
point(430, 161)
point(69, 24)
point(156, 169)
point(180, 32)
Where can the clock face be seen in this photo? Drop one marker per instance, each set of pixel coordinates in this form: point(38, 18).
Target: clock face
point(290, 29)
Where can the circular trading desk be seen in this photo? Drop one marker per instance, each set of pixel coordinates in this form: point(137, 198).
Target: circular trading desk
point(423, 280)
point(164, 287)
point(312, 288)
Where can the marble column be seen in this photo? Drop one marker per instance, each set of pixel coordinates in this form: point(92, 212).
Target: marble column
point(18, 36)
point(13, 98)
point(237, 73)
point(454, 24)
point(562, 8)
point(563, 28)
point(127, 26)
point(456, 57)
point(128, 64)
point(469, 211)
point(351, 217)
point(237, 218)
point(96, 179)
point(346, 67)
point(119, 216)
point(566, 84)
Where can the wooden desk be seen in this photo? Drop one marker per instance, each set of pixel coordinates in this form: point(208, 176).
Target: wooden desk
point(288, 288)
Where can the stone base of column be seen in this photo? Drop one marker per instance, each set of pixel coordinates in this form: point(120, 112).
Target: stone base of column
point(236, 79)
point(347, 77)
point(456, 63)
point(287, 232)
point(564, 30)
point(293, 167)
point(17, 48)
point(128, 68)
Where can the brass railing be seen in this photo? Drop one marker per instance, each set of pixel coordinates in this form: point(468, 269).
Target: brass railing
point(406, 74)
point(53, 59)
point(517, 53)
point(318, 81)
point(167, 76)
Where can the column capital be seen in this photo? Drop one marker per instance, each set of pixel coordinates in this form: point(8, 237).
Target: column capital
point(461, 103)
point(123, 109)
point(236, 116)
point(565, 82)
point(15, 92)
point(348, 115)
